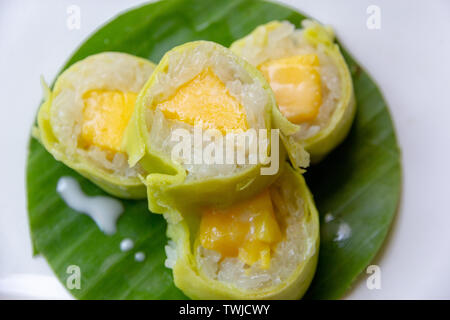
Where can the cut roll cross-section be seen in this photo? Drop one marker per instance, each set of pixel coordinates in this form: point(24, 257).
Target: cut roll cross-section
point(310, 80)
point(264, 247)
point(83, 119)
point(216, 106)
point(247, 229)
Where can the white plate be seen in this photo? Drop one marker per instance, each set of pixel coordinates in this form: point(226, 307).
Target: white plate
point(408, 57)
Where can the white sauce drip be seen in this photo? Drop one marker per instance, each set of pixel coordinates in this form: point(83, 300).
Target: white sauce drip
point(344, 232)
point(139, 256)
point(126, 244)
point(103, 210)
point(328, 217)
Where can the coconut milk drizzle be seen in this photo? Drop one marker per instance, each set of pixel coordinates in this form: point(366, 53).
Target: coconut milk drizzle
point(103, 210)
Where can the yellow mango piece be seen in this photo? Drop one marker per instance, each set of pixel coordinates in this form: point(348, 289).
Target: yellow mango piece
point(253, 251)
point(296, 84)
point(205, 100)
point(246, 230)
point(105, 117)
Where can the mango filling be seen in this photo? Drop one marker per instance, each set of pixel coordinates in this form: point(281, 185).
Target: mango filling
point(296, 84)
point(105, 117)
point(205, 100)
point(247, 230)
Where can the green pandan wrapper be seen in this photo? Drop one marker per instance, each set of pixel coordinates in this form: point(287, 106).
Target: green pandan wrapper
point(61, 115)
point(175, 183)
point(293, 261)
point(277, 40)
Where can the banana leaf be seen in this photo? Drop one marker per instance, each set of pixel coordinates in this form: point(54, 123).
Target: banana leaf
point(358, 184)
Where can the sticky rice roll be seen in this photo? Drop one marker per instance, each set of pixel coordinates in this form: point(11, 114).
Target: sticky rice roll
point(83, 119)
point(310, 79)
point(264, 247)
point(202, 86)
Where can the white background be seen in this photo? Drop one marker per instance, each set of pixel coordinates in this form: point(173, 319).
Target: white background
point(408, 57)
